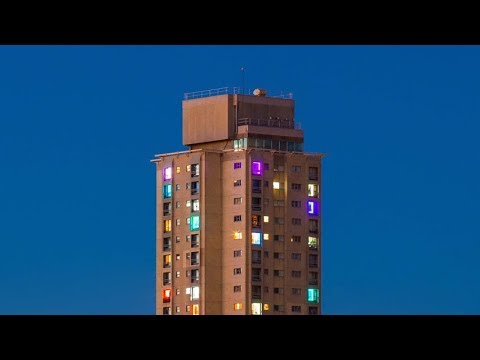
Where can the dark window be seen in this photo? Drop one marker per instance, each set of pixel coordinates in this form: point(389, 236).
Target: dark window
point(296, 221)
point(266, 166)
point(296, 291)
point(278, 237)
point(237, 183)
point(296, 238)
point(237, 165)
point(312, 260)
point(296, 309)
point(296, 186)
point(278, 291)
point(256, 257)
point(256, 186)
point(296, 204)
point(237, 271)
point(313, 173)
point(256, 204)
point(237, 218)
point(296, 256)
point(277, 255)
point(296, 273)
point(237, 288)
point(237, 253)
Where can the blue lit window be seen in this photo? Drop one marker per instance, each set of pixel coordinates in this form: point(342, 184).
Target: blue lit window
point(313, 295)
point(167, 191)
point(312, 207)
point(194, 222)
point(256, 238)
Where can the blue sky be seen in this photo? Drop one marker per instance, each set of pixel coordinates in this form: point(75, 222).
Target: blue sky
point(401, 182)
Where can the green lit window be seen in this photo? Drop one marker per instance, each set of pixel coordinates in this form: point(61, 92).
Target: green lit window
point(194, 222)
point(313, 295)
point(167, 191)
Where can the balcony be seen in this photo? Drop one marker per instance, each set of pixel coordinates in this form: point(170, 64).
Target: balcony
point(167, 265)
point(312, 281)
point(195, 191)
point(194, 262)
point(167, 281)
point(256, 295)
point(256, 207)
point(256, 260)
point(313, 230)
point(256, 278)
point(313, 264)
point(195, 280)
point(167, 247)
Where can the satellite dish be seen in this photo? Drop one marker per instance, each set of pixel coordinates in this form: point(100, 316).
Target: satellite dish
point(259, 92)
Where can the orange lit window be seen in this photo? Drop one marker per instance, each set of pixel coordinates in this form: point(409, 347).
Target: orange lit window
point(167, 294)
point(178, 169)
point(167, 225)
point(237, 306)
point(195, 309)
point(266, 307)
point(237, 235)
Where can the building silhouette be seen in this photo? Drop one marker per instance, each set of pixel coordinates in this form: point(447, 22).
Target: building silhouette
point(238, 214)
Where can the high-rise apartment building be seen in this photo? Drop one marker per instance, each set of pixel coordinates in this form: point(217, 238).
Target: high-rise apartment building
point(238, 214)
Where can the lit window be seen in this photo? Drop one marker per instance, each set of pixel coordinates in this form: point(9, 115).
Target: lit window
point(188, 203)
point(195, 170)
point(188, 167)
point(266, 219)
point(312, 208)
point(196, 205)
point(167, 191)
point(177, 204)
point(237, 165)
point(313, 190)
point(177, 239)
point(177, 257)
point(187, 221)
point(187, 308)
point(188, 291)
point(237, 306)
point(194, 222)
point(266, 307)
point(266, 237)
point(167, 225)
point(195, 309)
point(237, 235)
point(177, 274)
point(276, 185)
point(195, 293)
point(256, 308)
point(167, 260)
point(256, 238)
point(167, 173)
point(177, 222)
point(177, 309)
point(313, 295)
point(167, 294)
point(177, 291)
point(256, 168)
point(178, 169)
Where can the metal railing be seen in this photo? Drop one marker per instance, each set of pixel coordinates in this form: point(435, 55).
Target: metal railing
point(279, 123)
point(211, 92)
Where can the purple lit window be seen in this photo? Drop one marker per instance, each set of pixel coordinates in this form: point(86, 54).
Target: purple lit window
point(167, 173)
point(312, 208)
point(256, 168)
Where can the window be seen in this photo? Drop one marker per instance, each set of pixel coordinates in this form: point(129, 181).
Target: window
point(177, 309)
point(296, 187)
point(266, 219)
point(266, 202)
point(256, 186)
point(195, 186)
point(237, 271)
point(195, 258)
point(177, 257)
point(177, 187)
point(187, 273)
point(177, 291)
point(265, 290)
point(187, 256)
point(265, 271)
point(237, 253)
point(256, 204)
point(312, 310)
point(313, 173)
point(266, 236)
point(296, 239)
point(296, 256)
point(279, 308)
point(313, 295)
point(188, 291)
point(312, 242)
point(187, 238)
point(266, 307)
point(167, 173)
point(256, 168)
point(195, 169)
point(279, 221)
point(196, 205)
point(296, 221)
point(167, 295)
point(312, 278)
point(296, 169)
point(187, 220)
point(276, 185)
point(278, 291)
point(312, 260)
point(237, 201)
point(177, 222)
point(188, 203)
point(187, 185)
point(177, 274)
point(278, 273)
point(278, 167)
point(177, 204)
point(296, 273)
point(167, 209)
point(167, 244)
point(266, 183)
point(312, 190)
point(237, 218)
point(278, 203)
point(256, 274)
point(256, 308)
point(167, 191)
point(237, 183)
point(195, 276)
point(265, 254)
point(312, 207)
point(237, 288)
point(195, 309)
point(266, 166)
point(237, 235)
point(237, 165)
point(237, 306)
point(313, 226)
point(195, 293)
point(256, 221)
point(296, 291)
point(296, 309)
point(178, 169)
point(167, 278)
point(278, 237)
point(167, 261)
point(195, 240)
point(256, 238)
point(277, 255)
point(194, 222)
point(177, 239)
point(296, 204)
point(256, 292)
point(166, 311)
point(256, 257)
point(167, 225)
point(188, 167)
point(187, 308)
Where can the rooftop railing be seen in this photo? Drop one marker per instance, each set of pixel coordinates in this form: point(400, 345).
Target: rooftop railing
point(280, 123)
point(230, 90)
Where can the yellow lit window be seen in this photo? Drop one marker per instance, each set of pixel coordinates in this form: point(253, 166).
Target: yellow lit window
point(266, 219)
point(276, 185)
point(195, 309)
point(237, 235)
point(266, 237)
point(188, 168)
point(167, 225)
point(237, 306)
point(178, 169)
point(266, 307)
